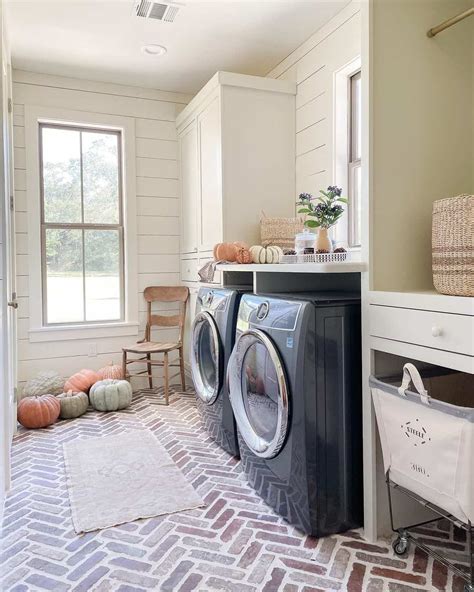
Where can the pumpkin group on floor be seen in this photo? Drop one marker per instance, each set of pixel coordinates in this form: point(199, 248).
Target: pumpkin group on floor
point(48, 397)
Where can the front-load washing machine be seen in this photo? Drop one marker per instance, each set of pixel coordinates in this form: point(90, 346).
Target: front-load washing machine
point(212, 340)
point(295, 386)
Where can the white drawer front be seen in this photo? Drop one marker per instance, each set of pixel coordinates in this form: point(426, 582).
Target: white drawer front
point(449, 332)
point(189, 269)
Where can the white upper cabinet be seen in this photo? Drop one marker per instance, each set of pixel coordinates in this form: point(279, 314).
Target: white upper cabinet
point(210, 231)
point(237, 150)
point(189, 188)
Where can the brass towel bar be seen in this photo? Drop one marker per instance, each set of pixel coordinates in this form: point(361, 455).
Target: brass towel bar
point(450, 22)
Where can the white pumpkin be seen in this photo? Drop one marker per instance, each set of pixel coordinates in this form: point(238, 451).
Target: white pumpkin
point(110, 395)
point(45, 383)
point(270, 254)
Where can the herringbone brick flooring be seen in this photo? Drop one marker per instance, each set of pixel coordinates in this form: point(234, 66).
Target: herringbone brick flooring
point(235, 544)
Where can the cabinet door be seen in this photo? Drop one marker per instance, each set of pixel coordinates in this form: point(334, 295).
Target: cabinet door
point(189, 157)
point(210, 228)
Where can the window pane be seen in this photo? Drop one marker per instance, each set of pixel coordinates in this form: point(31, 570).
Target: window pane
point(356, 117)
point(61, 175)
point(100, 178)
point(356, 205)
point(102, 259)
point(64, 283)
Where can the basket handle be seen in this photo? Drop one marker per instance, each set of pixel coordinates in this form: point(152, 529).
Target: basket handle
point(411, 375)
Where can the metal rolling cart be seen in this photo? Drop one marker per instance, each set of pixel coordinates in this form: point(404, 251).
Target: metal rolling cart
point(405, 537)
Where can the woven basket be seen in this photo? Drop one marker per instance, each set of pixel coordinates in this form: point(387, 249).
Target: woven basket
point(279, 232)
point(453, 245)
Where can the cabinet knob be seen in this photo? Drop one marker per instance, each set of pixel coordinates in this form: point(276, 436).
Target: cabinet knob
point(436, 331)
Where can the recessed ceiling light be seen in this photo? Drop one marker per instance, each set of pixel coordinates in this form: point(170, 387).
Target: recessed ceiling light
point(154, 50)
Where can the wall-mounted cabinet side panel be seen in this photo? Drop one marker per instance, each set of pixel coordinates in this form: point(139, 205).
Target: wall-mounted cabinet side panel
point(189, 158)
point(210, 207)
point(258, 159)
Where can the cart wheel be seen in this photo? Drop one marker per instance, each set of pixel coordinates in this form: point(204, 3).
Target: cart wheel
point(400, 546)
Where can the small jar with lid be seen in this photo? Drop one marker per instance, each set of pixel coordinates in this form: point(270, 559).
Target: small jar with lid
point(304, 240)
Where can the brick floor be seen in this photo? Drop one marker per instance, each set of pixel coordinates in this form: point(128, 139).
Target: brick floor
point(235, 544)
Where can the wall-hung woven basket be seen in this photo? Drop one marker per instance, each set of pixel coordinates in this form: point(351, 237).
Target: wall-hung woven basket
point(279, 232)
point(453, 245)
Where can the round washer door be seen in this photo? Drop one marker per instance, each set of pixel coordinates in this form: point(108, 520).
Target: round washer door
point(258, 391)
point(206, 356)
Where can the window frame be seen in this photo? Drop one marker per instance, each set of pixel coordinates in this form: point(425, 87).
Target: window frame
point(128, 326)
point(81, 225)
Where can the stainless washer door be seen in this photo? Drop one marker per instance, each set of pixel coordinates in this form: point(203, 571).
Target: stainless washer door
point(206, 357)
point(258, 391)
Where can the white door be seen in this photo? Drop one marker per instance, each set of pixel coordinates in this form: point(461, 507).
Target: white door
point(210, 228)
point(188, 143)
point(8, 357)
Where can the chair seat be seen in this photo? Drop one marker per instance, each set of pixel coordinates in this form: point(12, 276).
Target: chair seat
point(151, 347)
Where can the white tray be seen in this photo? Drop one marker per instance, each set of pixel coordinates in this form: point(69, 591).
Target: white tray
point(316, 258)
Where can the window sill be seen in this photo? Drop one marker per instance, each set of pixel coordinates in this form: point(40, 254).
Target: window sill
point(68, 332)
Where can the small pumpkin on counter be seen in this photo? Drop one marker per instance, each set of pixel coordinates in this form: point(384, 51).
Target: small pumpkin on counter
point(227, 251)
point(270, 254)
point(73, 404)
point(81, 381)
point(110, 395)
point(38, 411)
point(111, 371)
point(243, 255)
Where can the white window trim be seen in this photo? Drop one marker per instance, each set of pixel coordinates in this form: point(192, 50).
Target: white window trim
point(37, 332)
point(341, 141)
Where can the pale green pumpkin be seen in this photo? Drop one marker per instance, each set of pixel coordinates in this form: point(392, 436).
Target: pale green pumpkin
point(73, 404)
point(110, 395)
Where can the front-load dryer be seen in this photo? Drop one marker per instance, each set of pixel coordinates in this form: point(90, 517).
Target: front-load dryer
point(295, 387)
point(212, 340)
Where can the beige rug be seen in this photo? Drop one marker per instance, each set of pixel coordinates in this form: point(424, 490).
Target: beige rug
point(122, 478)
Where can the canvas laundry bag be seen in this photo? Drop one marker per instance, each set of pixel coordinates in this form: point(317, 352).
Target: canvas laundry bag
point(428, 442)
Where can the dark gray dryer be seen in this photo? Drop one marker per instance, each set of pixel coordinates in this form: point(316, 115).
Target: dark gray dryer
point(295, 388)
point(213, 336)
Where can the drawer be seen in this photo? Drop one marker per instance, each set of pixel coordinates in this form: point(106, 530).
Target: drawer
point(449, 332)
point(189, 270)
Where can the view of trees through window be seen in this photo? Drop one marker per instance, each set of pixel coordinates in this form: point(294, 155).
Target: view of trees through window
point(82, 227)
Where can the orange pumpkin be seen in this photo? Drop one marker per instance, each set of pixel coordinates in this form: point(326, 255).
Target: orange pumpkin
point(39, 411)
point(113, 371)
point(243, 255)
point(81, 381)
point(227, 251)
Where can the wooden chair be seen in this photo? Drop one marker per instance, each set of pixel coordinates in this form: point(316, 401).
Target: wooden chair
point(147, 348)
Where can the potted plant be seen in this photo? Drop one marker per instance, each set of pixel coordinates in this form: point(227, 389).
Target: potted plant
point(322, 211)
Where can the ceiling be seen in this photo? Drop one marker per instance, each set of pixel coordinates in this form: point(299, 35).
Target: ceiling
point(102, 39)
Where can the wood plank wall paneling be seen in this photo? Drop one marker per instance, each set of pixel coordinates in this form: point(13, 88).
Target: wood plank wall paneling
point(157, 204)
point(312, 67)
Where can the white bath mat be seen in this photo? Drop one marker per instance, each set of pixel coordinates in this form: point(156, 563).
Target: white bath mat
point(122, 478)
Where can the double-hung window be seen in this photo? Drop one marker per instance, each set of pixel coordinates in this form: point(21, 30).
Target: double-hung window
point(354, 164)
point(82, 227)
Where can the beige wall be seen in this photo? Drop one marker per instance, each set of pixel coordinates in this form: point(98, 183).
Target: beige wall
point(156, 180)
point(422, 125)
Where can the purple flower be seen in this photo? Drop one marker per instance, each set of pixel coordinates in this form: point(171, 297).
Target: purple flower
point(335, 190)
point(306, 197)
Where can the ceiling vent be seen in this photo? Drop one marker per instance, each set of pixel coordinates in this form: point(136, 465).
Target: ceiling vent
point(159, 11)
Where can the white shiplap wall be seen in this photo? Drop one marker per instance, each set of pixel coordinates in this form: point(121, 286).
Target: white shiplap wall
point(157, 202)
point(312, 66)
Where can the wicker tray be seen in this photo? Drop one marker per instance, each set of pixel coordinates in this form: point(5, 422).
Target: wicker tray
point(316, 258)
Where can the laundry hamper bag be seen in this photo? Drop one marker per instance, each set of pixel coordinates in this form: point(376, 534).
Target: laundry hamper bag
point(427, 436)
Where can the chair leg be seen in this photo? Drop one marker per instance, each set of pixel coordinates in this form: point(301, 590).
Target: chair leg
point(181, 367)
point(149, 367)
point(166, 378)
point(124, 366)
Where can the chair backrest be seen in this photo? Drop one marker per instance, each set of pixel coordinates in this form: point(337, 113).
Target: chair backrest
point(178, 294)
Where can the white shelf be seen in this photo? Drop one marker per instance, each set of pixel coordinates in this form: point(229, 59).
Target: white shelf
point(424, 300)
point(340, 267)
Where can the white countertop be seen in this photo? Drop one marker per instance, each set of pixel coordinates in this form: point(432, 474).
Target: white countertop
point(340, 267)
